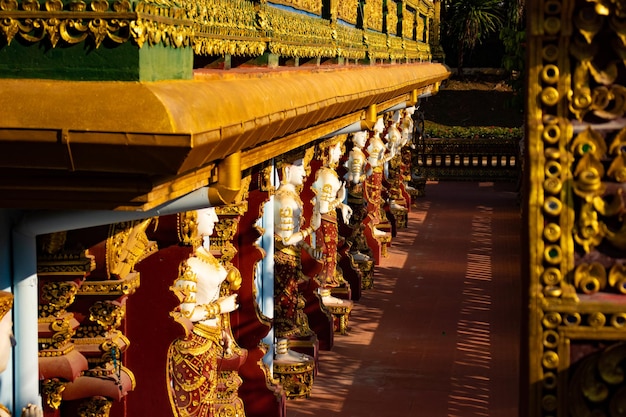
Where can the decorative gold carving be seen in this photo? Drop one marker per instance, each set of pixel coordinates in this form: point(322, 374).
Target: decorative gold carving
point(186, 225)
point(295, 378)
point(161, 22)
point(266, 180)
point(617, 277)
point(108, 314)
point(53, 259)
point(576, 228)
point(59, 343)
point(374, 15)
point(347, 10)
point(409, 24)
point(341, 315)
point(52, 392)
point(95, 407)
point(376, 45)
point(299, 36)
point(211, 27)
point(232, 27)
point(72, 23)
point(227, 227)
point(597, 383)
point(125, 286)
point(44, 343)
point(126, 245)
point(396, 47)
point(58, 296)
point(606, 7)
point(392, 17)
point(367, 273)
point(590, 278)
point(311, 6)
point(350, 42)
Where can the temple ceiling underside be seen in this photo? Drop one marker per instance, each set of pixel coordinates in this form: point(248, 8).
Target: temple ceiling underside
point(133, 145)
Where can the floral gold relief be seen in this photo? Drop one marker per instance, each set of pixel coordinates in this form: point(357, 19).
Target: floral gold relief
point(577, 231)
point(347, 10)
point(228, 27)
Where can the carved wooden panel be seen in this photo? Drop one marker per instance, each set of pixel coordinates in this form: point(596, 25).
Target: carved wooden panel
point(577, 234)
point(374, 15)
point(347, 10)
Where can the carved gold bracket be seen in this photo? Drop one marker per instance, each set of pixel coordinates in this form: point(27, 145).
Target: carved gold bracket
point(52, 392)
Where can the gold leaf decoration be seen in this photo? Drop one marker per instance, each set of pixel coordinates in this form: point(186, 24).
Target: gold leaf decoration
point(590, 278)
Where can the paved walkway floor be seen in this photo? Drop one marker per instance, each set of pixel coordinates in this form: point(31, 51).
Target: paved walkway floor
point(438, 336)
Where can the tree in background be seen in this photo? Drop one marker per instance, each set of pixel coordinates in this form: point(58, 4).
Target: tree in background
point(468, 22)
point(513, 37)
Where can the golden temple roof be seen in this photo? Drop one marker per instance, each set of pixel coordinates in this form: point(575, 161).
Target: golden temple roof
point(135, 145)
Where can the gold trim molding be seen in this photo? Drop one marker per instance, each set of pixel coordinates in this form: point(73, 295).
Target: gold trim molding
point(210, 27)
point(97, 20)
point(125, 286)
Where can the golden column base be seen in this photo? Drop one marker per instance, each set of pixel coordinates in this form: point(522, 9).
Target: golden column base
point(400, 215)
point(341, 315)
point(296, 377)
point(367, 273)
point(385, 240)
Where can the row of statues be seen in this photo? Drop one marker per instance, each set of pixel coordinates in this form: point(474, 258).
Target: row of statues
point(331, 216)
point(207, 294)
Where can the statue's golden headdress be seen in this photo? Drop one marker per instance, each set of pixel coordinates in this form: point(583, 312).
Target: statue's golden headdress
point(299, 156)
point(324, 147)
point(6, 303)
point(187, 225)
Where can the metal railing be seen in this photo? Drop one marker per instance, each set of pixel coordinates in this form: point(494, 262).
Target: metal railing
point(467, 159)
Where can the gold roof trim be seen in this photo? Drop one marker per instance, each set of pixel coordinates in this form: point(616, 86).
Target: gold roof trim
point(130, 139)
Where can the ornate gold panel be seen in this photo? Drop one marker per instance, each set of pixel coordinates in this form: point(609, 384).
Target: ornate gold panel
point(76, 21)
point(391, 14)
point(396, 47)
point(376, 45)
point(347, 10)
point(409, 23)
point(299, 36)
point(228, 27)
point(95, 406)
point(350, 42)
point(214, 27)
point(311, 6)
point(52, 391)
point(577, 233)
point(374, 15)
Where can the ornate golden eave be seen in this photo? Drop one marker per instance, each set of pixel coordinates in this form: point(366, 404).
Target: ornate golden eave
point(131, 145)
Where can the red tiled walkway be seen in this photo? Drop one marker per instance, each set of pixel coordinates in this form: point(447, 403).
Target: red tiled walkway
point(438, 336)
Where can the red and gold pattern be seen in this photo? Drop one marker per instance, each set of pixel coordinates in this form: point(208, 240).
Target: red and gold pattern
point(326, 238)
point(373, 194)
point(192, 372)
point(289, 318)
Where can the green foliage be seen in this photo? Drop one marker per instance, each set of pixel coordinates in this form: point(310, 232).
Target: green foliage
point(435, 130)
point(513, 61)
point(470, 21)
point(513, 37)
